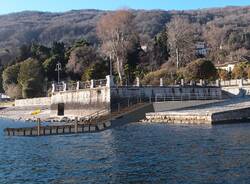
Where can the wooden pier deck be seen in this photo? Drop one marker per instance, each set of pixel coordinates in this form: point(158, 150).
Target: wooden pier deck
point(56, 129)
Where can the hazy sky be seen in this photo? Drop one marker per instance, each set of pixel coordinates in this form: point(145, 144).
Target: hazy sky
point(8, 6)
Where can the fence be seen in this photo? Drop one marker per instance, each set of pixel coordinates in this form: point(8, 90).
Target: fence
point(235, 82)
point(74, 86)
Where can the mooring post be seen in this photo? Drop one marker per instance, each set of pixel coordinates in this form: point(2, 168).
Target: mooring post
point(76, 125)
point(118, 107)
point(97, 116)
point(110, 112)
point(38, 126)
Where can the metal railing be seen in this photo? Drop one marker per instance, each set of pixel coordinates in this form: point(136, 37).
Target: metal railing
point(234, 82)
point(100, 83)
point(59, 87)
point(71, 86)
point(74, 86)
point(84, 85)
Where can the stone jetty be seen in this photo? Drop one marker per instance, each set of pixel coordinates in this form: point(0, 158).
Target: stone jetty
point(228, 111)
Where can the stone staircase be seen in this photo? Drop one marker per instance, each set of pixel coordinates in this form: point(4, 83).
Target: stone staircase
point(98, 117)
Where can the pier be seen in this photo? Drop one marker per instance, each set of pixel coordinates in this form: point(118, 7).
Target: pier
point(96, 122)
point(220, 112)
point(56, 129)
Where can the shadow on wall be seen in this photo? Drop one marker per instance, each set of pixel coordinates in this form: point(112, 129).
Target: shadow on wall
point(235, 93)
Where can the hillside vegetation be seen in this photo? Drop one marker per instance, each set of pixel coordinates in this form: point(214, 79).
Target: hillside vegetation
point(146, 44)
point(45, 28)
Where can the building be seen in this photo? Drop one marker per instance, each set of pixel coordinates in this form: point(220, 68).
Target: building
point(144, 48)
point(228, 66)
point(201, 49)
point(4, 97)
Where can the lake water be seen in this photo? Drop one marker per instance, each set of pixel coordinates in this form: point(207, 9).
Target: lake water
point(135, 153)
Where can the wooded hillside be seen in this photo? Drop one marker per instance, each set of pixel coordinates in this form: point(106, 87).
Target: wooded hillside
point(231, 24)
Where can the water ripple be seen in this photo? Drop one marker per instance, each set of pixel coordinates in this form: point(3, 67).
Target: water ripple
point(135, 153)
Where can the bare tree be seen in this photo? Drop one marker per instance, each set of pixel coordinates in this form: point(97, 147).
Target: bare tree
point(116, 33)
point(215, 37)
point(181, 37)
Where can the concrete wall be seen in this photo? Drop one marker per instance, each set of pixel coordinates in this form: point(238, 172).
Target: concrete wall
point(179, 117)
point(188, 93)
point(88, 101)
point(81, 103)
point(45, 101)
point(231, 115)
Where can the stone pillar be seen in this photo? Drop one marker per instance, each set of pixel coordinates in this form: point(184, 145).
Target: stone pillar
point(64, 86)
point(137, 82)
point(240, 83)
point(77, 85)
point(92, 84)
point(182, 82)
point(218, 82)
point(201, 82)
point(110, 81)
point(53, 88)
point(161, 82)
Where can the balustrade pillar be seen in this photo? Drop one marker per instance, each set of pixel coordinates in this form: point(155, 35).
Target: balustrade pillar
point(77, 85)
point(110, 81)
point(137, 82)
point(161, 82)
point(92, 83)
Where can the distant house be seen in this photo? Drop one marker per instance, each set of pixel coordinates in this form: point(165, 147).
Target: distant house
point(144, 48)
point(4, 97)
point(229, 66)
point(201, 49)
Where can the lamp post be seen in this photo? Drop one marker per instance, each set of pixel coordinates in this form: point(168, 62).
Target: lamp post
point(58, 69)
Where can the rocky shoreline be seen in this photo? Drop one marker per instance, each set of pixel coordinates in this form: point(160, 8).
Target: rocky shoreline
point(25, 113)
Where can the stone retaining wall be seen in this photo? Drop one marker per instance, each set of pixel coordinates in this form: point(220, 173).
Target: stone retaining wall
point(177, 117)
point(81, 103)
point(233, 115)
point(45, 101)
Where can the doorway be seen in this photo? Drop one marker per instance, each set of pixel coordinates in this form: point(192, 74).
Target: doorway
point(60, 111)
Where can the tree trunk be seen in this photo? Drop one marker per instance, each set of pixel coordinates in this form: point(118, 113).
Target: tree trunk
point(177, 58)
point(119, 70)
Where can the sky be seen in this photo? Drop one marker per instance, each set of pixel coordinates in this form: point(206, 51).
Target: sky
point(9, 6)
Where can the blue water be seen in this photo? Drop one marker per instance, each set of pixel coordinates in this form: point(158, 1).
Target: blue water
point(135, 153)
